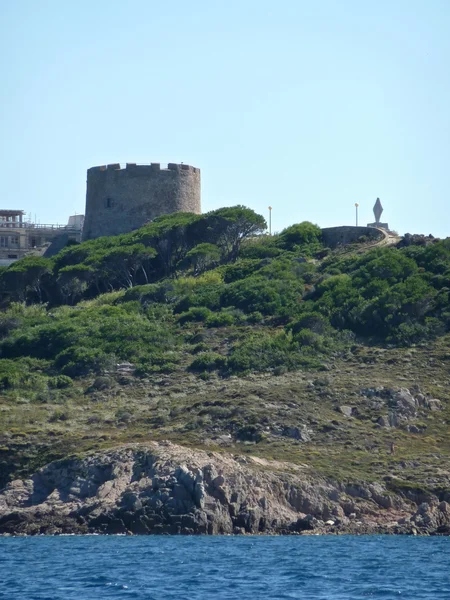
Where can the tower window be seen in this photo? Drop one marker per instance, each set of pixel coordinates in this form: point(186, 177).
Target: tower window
point(108, 203)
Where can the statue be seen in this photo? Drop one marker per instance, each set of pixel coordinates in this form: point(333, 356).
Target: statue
point(377, 210)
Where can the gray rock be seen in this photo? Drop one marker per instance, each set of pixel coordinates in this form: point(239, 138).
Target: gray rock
point(301, 433)
point(384, 421)
point(346, 410)
point(413, 429)
point(434, 404)
point(421, 400)
point(159, 487)
point(404, 403)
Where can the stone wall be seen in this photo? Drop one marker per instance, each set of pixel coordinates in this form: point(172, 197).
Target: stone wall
point(119, 200)
point(339, 236)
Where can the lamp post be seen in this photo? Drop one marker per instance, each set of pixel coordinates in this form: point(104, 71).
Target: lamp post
point(270, 220)
point(356, 206)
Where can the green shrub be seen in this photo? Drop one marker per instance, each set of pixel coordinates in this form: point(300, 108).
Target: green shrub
point(262, 352)
point(256, 294)
point(23, 373)
point(305, 237)
point(208, 361)
point(314, 321)
point(7, 325)
point(201, 347)
point(157, 362)
point(123, 415)
point(207, 295)
point(255, 317)
point(60, 382)
point(222, 319)
point(262, 246)
point(77, 361)
point(249, 433)
point(147, 294)
point(308, 338)
point(241, 269)
point(195, 313)
point(58, 415)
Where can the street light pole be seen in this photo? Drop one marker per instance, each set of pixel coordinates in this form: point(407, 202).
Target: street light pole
point(270, 220)
point(356, 206)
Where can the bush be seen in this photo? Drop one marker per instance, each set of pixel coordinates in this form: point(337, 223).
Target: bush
point(201, 347)
point(255, 318)
point(196, 313)
point(262, 352)
point(263, 246)
point(313, 321)
point(23, 373)
point(8, 324)
point(58, 415)
point(305, 236)
point(241, 269)
point(222, 319)
point(208, 295)
point(256, 294)
point(249, 433)
point(306, 337)
point(123, 415)
point(102, 382)
point(208, 361)
point(77, 361)
point(60, 382)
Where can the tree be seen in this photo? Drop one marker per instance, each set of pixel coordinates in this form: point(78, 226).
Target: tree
point(301, 234)
point(30, 274)
point(122, 264)
point(170, 236)
point(203, 256)
point(73, 281)
point(229, 227)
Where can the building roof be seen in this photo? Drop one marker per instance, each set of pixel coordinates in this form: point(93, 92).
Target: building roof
point(10, 213)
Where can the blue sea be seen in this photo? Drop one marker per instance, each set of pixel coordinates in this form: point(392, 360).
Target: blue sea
point(194, 568)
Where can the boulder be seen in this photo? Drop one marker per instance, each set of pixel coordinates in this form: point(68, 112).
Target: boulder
point(347, 410)
point(301, 433)
point(421, 400)
point(404, 403)
point(434, 404)
point(383, 421)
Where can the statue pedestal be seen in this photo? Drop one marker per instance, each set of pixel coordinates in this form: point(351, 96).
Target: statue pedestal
point(380, 225)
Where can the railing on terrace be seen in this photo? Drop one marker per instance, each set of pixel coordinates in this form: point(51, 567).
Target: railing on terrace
point(25, 225)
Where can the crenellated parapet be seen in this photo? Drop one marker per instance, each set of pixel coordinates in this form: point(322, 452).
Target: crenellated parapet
point(143, 168)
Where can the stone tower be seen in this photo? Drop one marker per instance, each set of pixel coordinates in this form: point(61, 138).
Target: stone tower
point(119, 200)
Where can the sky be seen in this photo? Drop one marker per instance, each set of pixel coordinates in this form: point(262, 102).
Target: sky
point(306, 106)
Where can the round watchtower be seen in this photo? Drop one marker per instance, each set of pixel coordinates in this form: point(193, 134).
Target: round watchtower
point(119, 200)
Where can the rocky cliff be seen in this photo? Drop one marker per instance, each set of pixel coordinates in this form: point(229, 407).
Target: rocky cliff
point(163, 488)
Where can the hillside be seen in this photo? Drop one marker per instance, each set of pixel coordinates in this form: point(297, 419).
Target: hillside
point(204, 332)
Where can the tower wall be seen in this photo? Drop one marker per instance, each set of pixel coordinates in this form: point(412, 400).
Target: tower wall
point(119, 200)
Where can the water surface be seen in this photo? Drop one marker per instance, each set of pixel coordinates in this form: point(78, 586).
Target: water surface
point(194, 568)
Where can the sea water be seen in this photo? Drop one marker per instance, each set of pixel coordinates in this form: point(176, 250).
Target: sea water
point(194, 568)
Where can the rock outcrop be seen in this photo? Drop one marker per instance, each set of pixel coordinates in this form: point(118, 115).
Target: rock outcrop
point(158, 488)
point(403, 405)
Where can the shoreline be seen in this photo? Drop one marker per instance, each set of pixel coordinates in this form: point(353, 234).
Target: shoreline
point(160, 488)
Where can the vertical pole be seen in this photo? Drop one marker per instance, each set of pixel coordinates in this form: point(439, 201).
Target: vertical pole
point(270, 220)
point(356, 206)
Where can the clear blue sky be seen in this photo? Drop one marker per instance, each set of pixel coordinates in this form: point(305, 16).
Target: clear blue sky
point(309, 106)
